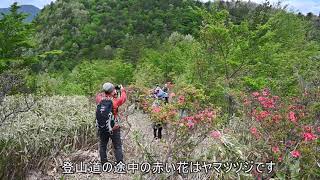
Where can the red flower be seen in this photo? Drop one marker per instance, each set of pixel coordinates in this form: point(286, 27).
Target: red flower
point(190, 118)
point(181, 99)
point(255, 94)
point(295, 154)
point(261, 98)
point(307, 128)
point(309, 136)
point(292, 107)
point(190, 124)
point(216, 134)
point(266, 92)
point(210, 114)
point(246, 102)
point(254, 131)
point(156, 109)
point(280, 158)
point(264, 114)
point(276, 118)
point(292, 117)
point(275, 97)
point(275, 149)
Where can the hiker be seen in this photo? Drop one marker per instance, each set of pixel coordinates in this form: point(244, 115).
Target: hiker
point(157, 127)
point(108, 120)
point(166, 90)
point(160, 94)
point(157, 130)
point(156, 91)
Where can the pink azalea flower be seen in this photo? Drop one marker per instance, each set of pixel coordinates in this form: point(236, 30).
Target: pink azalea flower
point(255, 94)
point(280, 159)
point(216, 134)
point(254, 131)
point(210, 114)
point(275, 97)
point(266, 92)
point(190, 124)
point(190, 118)
point(307, 128)
point(295, 154)
point(276, 118)
point(275, 149)
point(261, 98)
point(292, 117)
point(254, 112)
point(172, 94)
point(246, 102)
point(268, 103)
point(309, 136)
point(264, 114)
point(156, 109)
point(197, 117)
point(318, 129)
point(181, 99)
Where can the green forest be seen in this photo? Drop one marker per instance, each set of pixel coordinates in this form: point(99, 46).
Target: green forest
point(256, 67)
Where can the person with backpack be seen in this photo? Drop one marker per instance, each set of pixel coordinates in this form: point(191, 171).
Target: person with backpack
point(107, 120)
point(157, 126)
point(160, 94)
point(165, 89)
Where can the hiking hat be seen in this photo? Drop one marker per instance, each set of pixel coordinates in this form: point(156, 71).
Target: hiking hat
point(108, 87)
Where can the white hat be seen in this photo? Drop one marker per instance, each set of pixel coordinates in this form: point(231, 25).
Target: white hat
point(108, 87)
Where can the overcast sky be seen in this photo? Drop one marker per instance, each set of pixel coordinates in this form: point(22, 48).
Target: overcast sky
point(304, 6)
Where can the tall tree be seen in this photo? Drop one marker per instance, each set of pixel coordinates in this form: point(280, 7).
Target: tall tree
point(14, 33)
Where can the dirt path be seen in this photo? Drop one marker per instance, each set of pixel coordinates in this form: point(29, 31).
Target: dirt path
point(137, 134)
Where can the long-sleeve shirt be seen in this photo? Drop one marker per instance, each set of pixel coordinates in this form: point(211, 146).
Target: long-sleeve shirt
point(116, 101)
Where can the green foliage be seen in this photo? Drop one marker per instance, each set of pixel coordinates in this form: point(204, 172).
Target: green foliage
point(173, 60)
point(14, 34)
point(86, 78)
point(213, 52)
point(87, 28)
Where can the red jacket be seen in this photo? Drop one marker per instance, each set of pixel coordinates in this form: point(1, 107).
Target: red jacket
point(116, 101)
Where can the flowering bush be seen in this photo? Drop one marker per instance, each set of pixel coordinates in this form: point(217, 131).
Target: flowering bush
point(188, 119)
point(287, 129)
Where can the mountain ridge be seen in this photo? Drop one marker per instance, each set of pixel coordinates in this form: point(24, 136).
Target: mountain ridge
point(28, 9)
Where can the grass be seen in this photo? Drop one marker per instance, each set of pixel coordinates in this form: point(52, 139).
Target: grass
point(54, 124)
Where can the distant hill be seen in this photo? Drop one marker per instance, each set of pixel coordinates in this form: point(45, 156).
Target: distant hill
point(29, 9)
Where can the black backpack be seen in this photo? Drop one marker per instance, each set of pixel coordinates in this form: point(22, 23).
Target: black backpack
point(104, 114)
